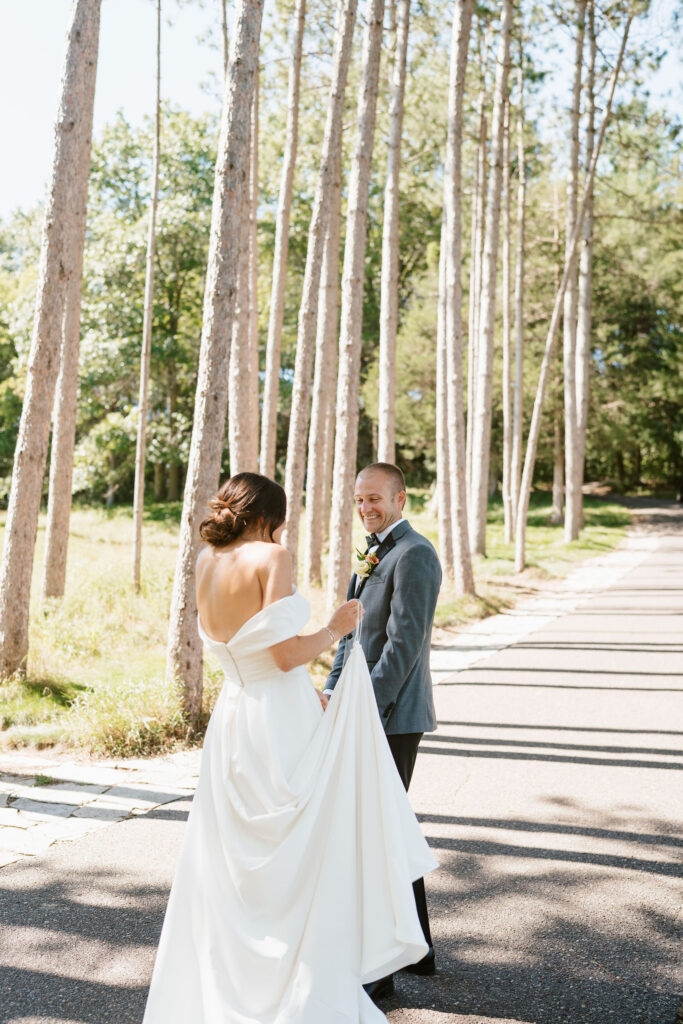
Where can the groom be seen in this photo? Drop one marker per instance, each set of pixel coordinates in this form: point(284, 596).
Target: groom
point(398, 585)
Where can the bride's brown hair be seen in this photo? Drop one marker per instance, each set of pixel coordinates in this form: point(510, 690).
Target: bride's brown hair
point(243, 501)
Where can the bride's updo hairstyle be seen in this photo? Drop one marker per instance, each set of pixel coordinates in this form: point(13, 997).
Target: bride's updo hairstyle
point(243, 501)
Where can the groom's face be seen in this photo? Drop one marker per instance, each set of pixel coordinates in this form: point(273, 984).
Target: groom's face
point(377, 502)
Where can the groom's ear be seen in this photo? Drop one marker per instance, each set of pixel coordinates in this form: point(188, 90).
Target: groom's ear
point(401, 496)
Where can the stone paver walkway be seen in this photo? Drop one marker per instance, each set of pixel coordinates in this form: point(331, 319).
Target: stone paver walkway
point(46, 800)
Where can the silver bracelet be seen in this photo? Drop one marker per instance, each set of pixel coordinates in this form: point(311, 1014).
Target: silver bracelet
point(332, 637)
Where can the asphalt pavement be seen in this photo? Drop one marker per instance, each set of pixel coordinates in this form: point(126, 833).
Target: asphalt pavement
point(551, 795)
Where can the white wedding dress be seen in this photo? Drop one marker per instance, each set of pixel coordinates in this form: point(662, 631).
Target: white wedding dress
point(293, 885)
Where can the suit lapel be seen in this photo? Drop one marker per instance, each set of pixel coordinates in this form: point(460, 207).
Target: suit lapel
point(387, 544)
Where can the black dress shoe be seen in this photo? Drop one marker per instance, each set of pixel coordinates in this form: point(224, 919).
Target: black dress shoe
point(427, 965)
point(380, 989)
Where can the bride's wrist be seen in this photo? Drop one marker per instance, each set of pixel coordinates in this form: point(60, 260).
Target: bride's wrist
point(332, 635)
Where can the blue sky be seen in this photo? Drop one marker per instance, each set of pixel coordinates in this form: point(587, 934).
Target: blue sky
point(32, 40)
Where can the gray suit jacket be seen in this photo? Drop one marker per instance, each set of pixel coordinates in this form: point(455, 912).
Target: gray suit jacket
point(399, 598)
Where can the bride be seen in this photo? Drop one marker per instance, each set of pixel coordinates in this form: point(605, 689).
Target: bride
point(293, 885)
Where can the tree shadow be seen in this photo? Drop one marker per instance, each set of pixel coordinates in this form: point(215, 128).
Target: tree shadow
point(73, 924)
point(514, 755)
point(543, 946)
point(42, 996)
point(489, 741)
point(564, 728)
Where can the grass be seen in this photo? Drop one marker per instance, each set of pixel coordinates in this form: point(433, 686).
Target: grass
point(95, 673)
point(548, 557)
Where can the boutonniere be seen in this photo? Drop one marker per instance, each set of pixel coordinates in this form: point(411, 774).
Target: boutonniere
point(365, 564)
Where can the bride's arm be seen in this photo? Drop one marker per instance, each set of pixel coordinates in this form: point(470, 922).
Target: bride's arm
point(298, 650)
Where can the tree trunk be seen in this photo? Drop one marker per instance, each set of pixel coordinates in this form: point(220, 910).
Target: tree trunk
point(147, 319)
point(320, 438)
point(476, 257)
point(551, 339)
point(224, 36)
point(243, 371)
point(159, 481)
point(253, 282)
point(277, 296)
point(481, 437)
point(388, 322)
point(572, 508)
point(508, 514)
point(443, 488)
point(66, 197)
point(518, 386)
point(65, 409)
point(556, 514)
point(308, 311)
point(174, 466)
point(353, 280)
point(583, 341)
point(184, 665)
point(455, 399)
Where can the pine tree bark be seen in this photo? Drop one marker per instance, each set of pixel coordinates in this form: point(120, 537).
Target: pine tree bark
point(551, 338)
point(557, 510)
point(320, 439)
point(224, 36)
point(67, 195)
point(518, 386)
point(476, 258)
point(277, 296)
point(351, 324)
point(481, 438)
point(174, 469)
point(184, 664)
point(388, 320)
point(455, 397)
point(443, 469)
point(508, 514)
point(572, 508)
point(159, 481)
point(147, 319)
point(243, 370)
point(308, 311)
point(253, 280)
point(66, 397)
point(583, 342)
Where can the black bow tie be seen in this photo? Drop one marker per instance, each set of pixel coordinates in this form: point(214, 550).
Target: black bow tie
point(371, 540)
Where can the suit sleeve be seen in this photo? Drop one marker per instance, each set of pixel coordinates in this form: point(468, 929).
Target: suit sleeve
point(337, 665)
point(338, 662)
point(417, 579)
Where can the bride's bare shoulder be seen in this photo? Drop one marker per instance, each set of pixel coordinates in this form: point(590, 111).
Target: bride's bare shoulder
point(273, 555)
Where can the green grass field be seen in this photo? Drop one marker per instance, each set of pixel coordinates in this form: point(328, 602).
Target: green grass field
point(95, 674)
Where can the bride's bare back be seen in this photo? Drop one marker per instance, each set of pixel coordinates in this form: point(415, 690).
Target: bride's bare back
point(236, 581)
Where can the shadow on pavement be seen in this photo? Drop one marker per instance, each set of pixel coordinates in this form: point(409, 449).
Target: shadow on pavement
point(54, 998)
point(565, 728)
point(516, 755)
point(556, 828)
point(568, 965)
point(496, 742)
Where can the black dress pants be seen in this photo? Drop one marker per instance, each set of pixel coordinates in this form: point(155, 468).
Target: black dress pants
point(403, 747)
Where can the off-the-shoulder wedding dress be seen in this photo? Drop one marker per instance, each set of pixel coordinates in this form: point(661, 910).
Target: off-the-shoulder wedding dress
point(293, 885)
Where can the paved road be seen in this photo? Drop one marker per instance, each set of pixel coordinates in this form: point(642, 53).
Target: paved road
point(551, 795)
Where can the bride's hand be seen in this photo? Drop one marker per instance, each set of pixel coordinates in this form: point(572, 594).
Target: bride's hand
point(346, 617)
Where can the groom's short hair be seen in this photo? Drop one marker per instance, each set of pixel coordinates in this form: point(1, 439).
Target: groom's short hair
point(391, 471)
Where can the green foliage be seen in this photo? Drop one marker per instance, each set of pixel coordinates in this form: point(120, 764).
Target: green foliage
point(635, 429)
point(131, 717)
